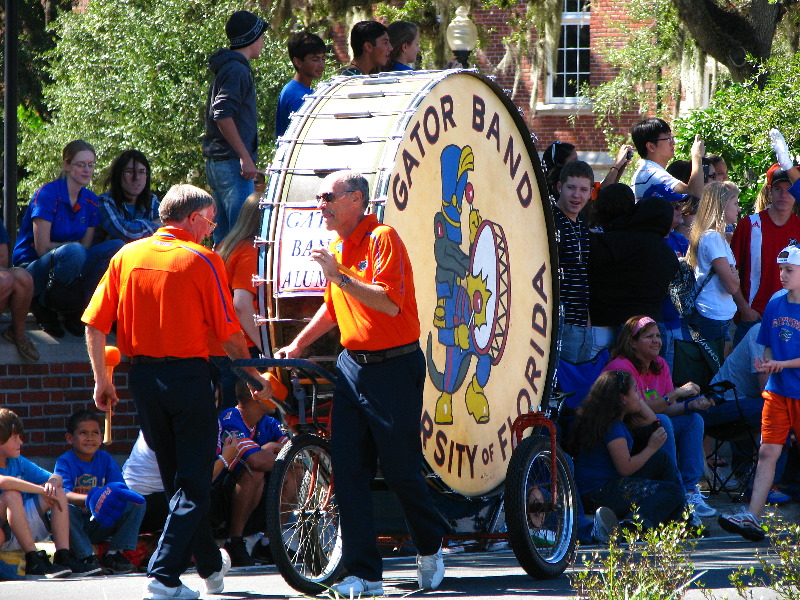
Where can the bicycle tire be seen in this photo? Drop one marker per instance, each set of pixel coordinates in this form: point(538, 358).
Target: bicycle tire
point(303, 517)
point(544, 547)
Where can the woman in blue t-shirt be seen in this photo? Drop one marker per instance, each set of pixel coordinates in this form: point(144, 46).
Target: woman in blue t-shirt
point(606, 472)
point(55, 243)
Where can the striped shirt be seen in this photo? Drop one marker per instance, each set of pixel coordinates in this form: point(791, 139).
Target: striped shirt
point(573, 257)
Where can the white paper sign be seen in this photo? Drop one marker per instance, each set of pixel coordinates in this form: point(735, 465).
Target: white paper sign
point(302, 230)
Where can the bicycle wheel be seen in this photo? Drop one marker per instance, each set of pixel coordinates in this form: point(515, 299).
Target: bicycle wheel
point(541, 528)
point(302, 515)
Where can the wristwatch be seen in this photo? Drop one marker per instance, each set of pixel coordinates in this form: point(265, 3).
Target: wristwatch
point(345, 280)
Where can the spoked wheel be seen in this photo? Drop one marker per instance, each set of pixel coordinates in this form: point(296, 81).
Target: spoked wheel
point(542, 528)
point(302, 515)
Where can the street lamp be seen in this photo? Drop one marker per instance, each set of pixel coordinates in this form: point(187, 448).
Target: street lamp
point(462, 36)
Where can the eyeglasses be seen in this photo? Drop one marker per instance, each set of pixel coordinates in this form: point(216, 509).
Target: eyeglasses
point(131, 172)
point(712, 176)
point(666, 139)
point(329, 196)
point(84, 165)
point(211, 225)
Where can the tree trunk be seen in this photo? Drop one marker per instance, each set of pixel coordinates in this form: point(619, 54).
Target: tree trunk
point(739, 38)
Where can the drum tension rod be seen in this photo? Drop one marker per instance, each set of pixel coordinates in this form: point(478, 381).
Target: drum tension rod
point(349, 141)
point(256, 280)
point(353, 115)
point(259, 241)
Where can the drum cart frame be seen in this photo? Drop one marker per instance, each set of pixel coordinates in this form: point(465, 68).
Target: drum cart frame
point(301, 504)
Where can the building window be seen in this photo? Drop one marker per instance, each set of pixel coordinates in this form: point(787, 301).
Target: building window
point(571, 69)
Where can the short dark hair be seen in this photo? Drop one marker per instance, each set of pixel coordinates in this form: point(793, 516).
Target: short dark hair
point(576, 168)
point(613, 201)
point(715, 159)
point(79, 417)
point(303, 43)
point(363, 32)
point(680, 170)
point(648, 131)
point(10, 424)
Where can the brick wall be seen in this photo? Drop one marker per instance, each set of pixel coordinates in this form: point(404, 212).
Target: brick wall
point(45, 394)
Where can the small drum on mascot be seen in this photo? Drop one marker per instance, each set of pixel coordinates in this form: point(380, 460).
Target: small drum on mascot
point(453, 169)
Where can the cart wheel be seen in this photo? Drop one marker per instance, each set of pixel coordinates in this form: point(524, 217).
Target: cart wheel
point(302, 515)
point(543, 539)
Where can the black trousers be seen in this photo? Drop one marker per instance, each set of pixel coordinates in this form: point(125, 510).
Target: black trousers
point(376, 414)
point(179, 422)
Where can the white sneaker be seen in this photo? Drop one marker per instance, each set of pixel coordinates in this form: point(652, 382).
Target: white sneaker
point(605, 522)
point(355, 587)
point(430, 570)
point(215, 582)
point(697, 503)
point(155, 590)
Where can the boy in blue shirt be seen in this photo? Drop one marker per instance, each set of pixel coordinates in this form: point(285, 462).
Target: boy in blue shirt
point(307, 53)
point(83, 468)
point(259, 438)
point(780, 334)
point(28, 496)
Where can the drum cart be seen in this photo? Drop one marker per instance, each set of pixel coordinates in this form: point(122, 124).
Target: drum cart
point(453, 169)
point(302, 516)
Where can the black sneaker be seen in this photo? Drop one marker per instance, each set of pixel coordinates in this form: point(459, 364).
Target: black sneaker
point(37, 563)
point(47, 319)
point(66, 558)
point(262, 554)
point(117, 563)
point(237, 550)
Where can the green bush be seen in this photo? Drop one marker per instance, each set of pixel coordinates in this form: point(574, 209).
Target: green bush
point(655, 565)
point(737, 120)
point(134, 74)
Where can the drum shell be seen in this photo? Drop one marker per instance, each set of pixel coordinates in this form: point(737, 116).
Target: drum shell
point(419, 126)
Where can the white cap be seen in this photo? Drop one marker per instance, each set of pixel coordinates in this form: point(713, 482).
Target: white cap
point(789, 256)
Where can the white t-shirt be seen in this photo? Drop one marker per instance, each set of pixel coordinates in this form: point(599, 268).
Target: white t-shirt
point(713, 302)
point(653, 180)
point(140, 471)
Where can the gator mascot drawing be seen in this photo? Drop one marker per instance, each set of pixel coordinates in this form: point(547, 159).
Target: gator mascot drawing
point(467, 295)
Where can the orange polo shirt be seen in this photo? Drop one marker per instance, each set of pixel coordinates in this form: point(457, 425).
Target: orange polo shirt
point(241, 266)
point(166, 294)
point(377, 253)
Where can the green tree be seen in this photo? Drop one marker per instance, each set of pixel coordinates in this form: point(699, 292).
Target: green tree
point(133, 74)
point(737, 120)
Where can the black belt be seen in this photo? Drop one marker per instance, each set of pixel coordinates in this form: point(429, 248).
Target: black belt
point(159, 359)
point(370, 357)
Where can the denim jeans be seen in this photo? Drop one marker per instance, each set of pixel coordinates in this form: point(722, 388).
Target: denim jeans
point(576, 343)
point(602, 338)
point(668, 337)
point(85, 531)
point(70, 261)
point(653, 490)
point(711, 329)
point(230, 190)
point(684, 446)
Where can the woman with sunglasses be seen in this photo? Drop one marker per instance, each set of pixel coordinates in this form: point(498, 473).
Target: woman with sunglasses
point(637, 352)
point(128, 210)
point(55, 243)
point(609, 471)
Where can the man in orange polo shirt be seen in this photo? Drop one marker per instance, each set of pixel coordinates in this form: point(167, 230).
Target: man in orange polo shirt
point(166, 293)
point(377, 404)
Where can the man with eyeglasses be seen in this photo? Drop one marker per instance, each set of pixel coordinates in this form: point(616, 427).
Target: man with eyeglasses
point(230, 144)
point(167, 293)
point(656, 145)
point(377, 404)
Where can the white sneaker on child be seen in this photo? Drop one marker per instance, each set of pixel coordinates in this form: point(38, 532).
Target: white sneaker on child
point(697, 503)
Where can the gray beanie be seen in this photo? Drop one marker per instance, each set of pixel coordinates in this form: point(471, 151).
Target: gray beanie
point(243, 28)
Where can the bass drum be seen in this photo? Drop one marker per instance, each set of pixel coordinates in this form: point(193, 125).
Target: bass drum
point(452, 167)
